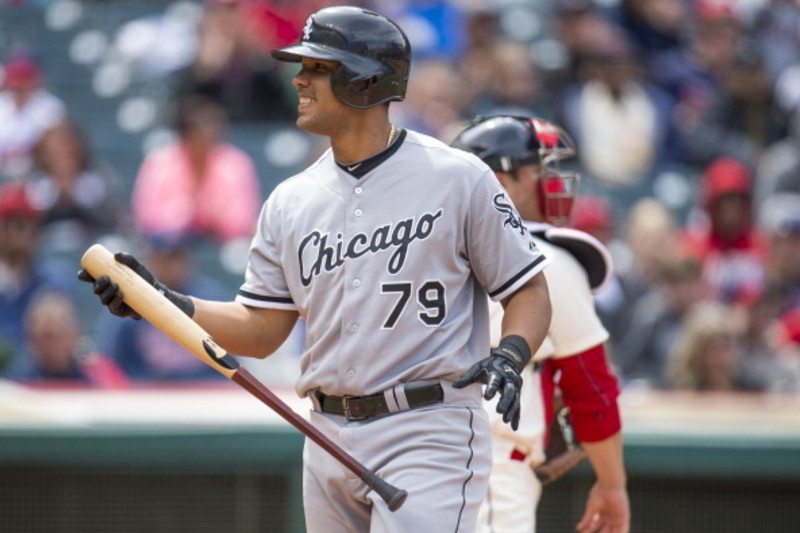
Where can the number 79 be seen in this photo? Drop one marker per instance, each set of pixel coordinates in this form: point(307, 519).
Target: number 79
point(430, 298)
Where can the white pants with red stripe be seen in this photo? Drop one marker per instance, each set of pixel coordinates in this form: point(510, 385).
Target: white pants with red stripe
point(514, 490)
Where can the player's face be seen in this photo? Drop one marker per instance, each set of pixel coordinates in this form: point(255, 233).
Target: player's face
point(523, 191)
point(319, 111)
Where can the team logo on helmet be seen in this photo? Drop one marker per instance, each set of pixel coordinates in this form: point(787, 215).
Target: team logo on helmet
point(307, 28)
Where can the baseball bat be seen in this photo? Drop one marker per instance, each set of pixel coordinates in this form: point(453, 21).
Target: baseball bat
point(166, 316)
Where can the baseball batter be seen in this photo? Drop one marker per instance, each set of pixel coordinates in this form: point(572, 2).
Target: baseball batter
point(524, 153)
point(387, 246)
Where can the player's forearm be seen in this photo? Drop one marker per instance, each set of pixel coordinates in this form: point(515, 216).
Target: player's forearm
point(527, 312)
point(607, 461)
point(243, 330)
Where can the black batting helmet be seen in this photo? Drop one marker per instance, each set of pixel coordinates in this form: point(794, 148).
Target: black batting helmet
point(374, 53)
point(507, 142)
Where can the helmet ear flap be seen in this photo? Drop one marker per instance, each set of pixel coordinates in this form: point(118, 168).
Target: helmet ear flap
point(363, 86)
point(357, 91)
point(353, 93)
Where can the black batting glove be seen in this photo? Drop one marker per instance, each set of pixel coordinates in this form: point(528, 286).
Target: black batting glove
point(111, 297)
point(184, 303)
point(502, 371)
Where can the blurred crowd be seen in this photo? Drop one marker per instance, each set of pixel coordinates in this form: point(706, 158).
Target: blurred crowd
point(685, 113)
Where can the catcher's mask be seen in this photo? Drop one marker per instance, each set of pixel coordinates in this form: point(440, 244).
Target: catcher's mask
point(507, 142)
point(374, 53)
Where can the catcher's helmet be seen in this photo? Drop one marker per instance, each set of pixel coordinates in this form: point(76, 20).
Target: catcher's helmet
point(507, 142)
point(373, 51)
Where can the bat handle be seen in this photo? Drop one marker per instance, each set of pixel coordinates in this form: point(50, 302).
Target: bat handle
point(393, 496)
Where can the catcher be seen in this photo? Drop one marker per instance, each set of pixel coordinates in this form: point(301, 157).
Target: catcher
point(524, 153)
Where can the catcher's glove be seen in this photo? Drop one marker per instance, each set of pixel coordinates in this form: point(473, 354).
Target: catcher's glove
point(563, 452)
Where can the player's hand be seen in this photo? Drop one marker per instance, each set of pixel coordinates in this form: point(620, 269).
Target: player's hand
point(501, 372)
point(111, 297)
point(607, 511)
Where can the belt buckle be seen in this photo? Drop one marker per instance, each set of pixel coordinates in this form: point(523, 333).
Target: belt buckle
point(346, 411)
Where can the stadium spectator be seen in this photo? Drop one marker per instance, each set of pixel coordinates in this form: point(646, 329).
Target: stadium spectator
point(645, 243)
point(707, 354)
point(777, 29)
point(475, 64)
point(745, 118)
point(277, 23)
point(434, 101)
point(22, 274)
point(200, 185)
point(143, 351)
point(780, 221)
point(579, 25)
point(657, 320)
point(595, 215)
point(786, 335)
point(231, 68)
point(79, 200)
point(56, 350)
point(762, 358)
point(514, 84)
point(722, 235)
point(691, 73)
point(778, 170)
point(27, 110)
point(654, 26)
point(621, 122)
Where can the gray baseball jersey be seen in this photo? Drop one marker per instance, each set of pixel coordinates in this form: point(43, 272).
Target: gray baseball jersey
point(391, 272)
point(387, 269)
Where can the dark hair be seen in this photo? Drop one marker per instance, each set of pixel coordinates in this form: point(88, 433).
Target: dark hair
point(193, 109)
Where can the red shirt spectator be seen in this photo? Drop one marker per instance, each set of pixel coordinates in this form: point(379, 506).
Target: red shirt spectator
point(723, 238)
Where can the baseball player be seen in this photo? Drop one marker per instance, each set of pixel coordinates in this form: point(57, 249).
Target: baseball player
point(524, 153)
point(387, 246)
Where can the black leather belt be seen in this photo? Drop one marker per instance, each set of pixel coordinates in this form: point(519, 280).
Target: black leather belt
point(355, 408)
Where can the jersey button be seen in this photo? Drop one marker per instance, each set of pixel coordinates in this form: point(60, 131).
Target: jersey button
point(359, 212)
point(351, 373)
point(356, 282)
point(358, 190)
point(353, 327)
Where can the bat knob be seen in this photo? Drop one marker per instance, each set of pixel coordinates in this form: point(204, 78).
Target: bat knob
point(393, 496)
point(397, 499)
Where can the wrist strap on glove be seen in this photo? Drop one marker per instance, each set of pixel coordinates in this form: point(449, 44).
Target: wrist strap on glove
point(183, 302)
point(515, 350)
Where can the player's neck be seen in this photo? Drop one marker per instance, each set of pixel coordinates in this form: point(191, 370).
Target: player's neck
point(358, 144)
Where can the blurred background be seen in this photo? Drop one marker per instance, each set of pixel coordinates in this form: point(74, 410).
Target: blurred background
point(159, 127)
